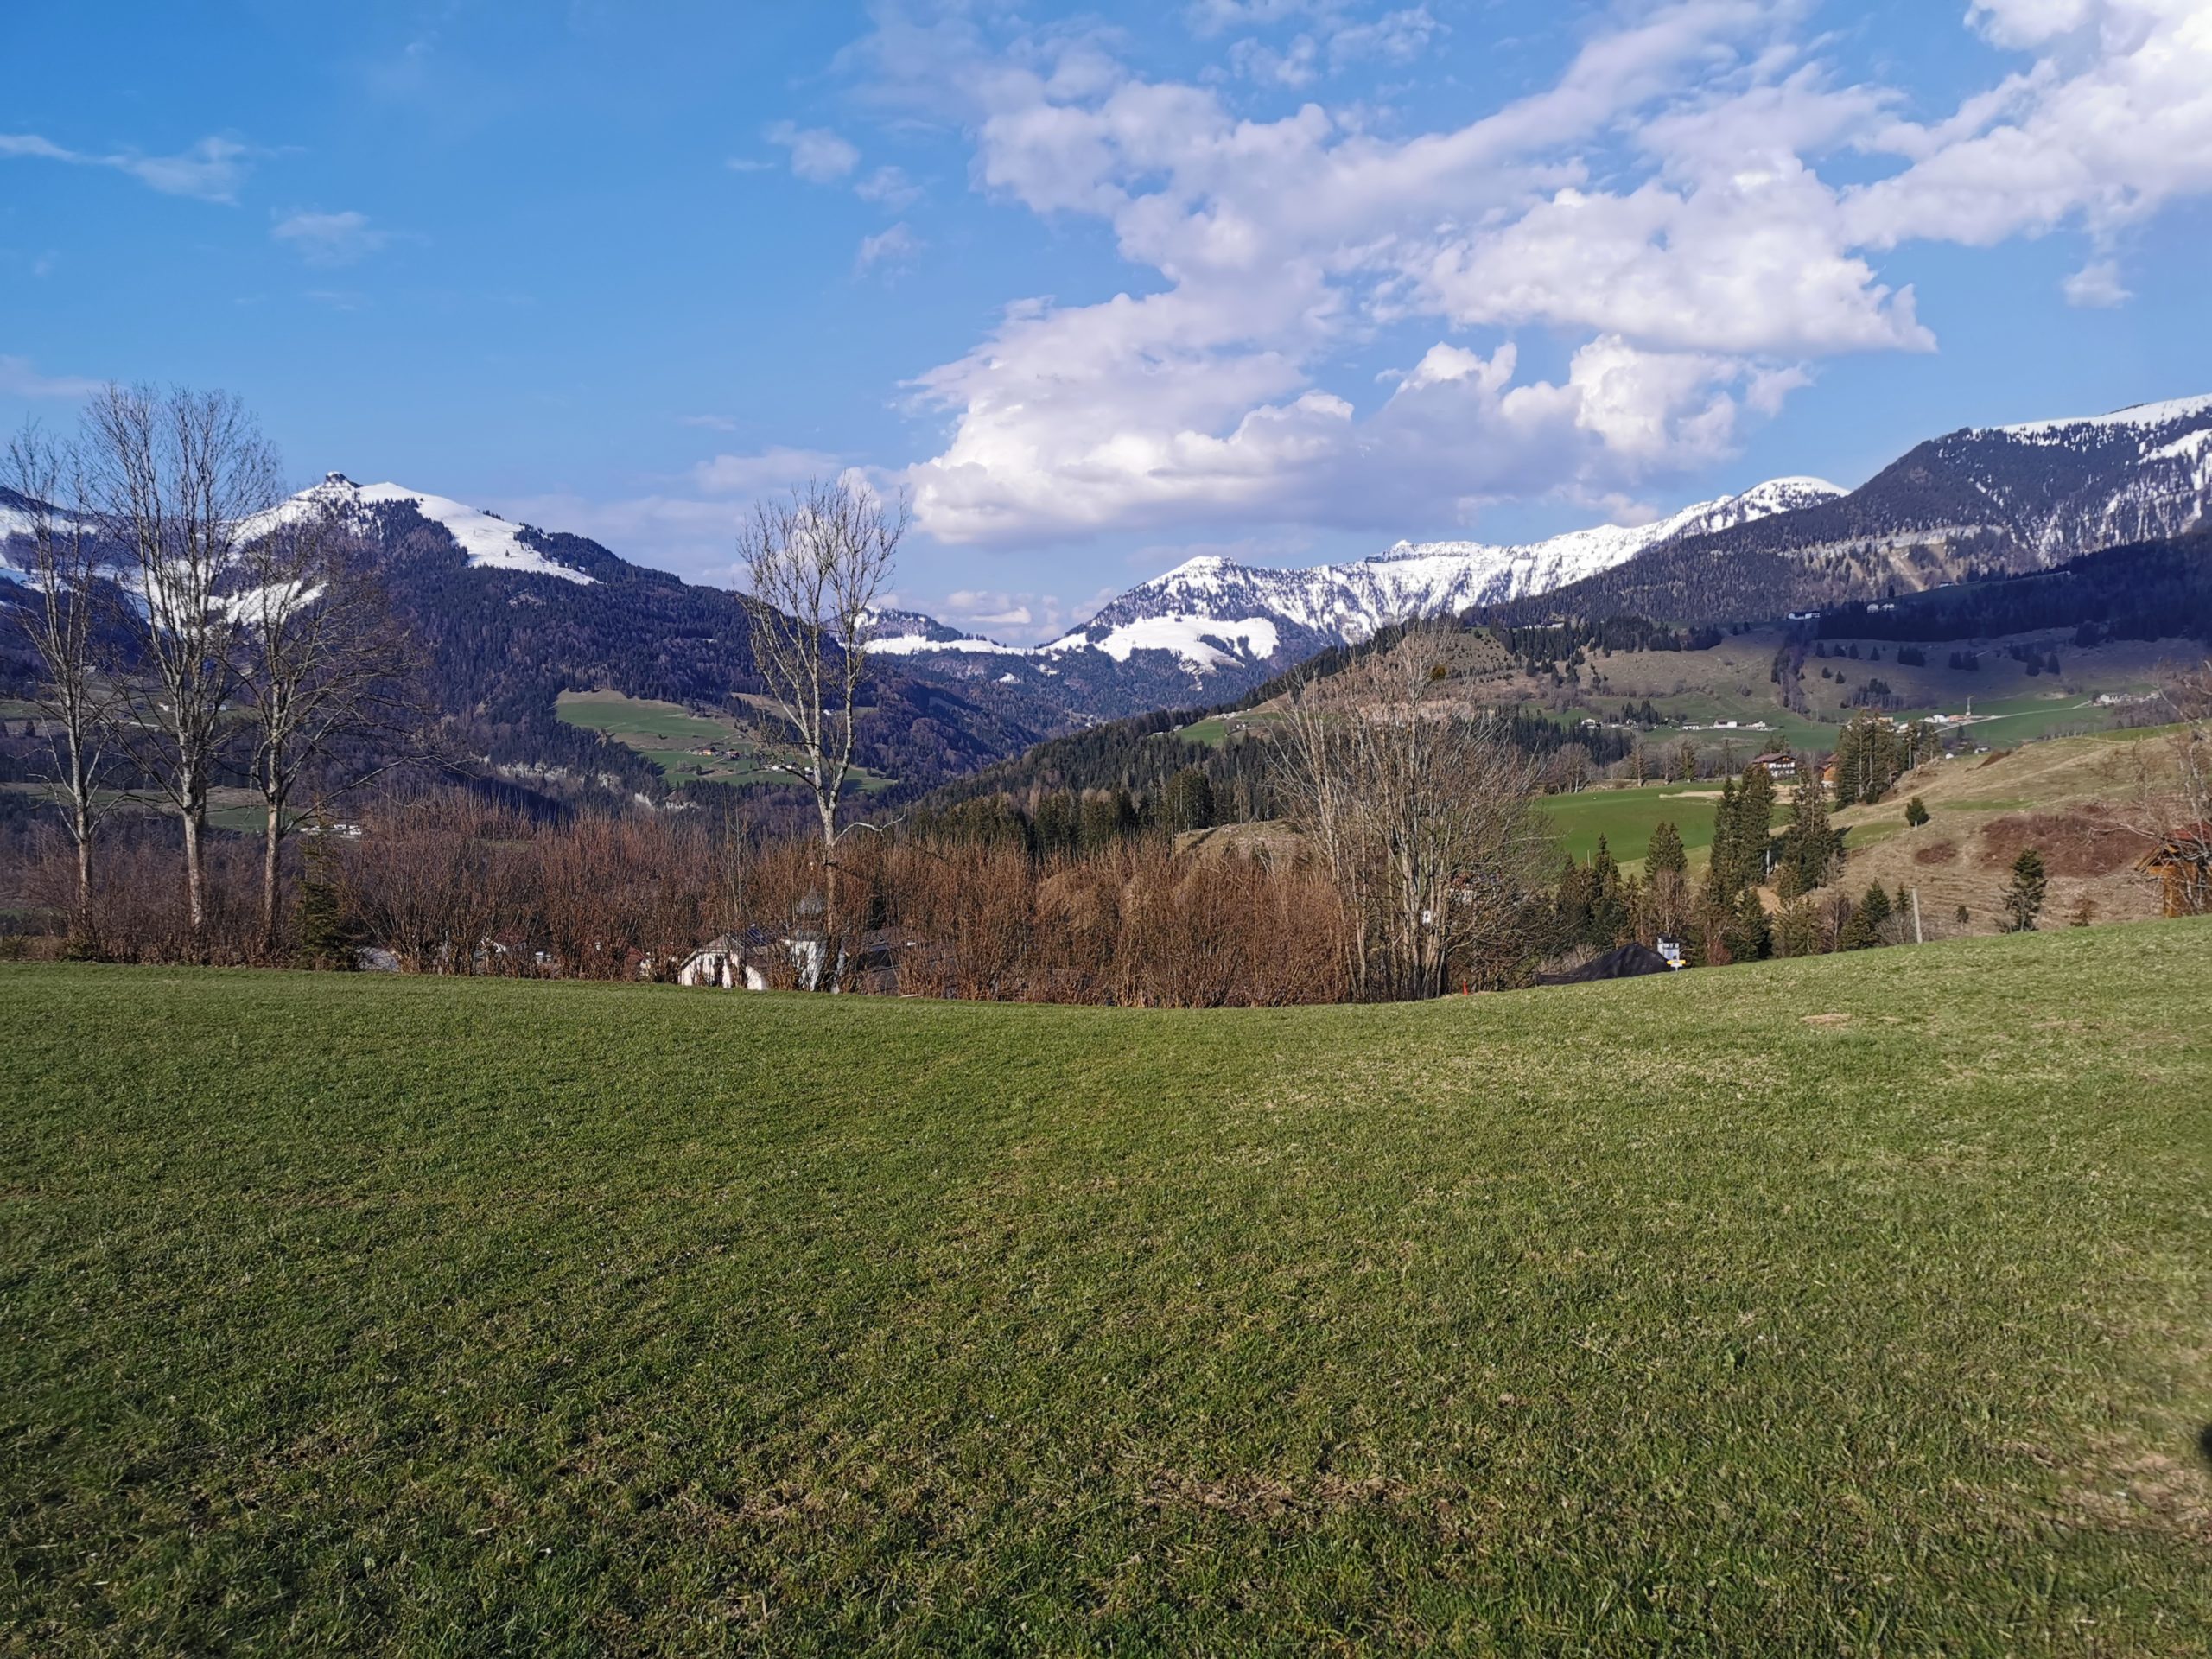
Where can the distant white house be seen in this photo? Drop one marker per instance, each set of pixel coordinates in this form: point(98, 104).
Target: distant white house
point(720, 963)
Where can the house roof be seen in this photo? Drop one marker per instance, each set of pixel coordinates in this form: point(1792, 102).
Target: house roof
point(2191, 843)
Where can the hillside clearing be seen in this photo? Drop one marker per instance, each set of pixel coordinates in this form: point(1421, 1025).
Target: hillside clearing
point(2086, 803)
point(686, 747)
point(1850, 1304)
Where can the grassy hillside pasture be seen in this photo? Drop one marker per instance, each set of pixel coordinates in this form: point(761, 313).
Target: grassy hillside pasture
point(1849, 1304)
point(670, 736)
point(2081, 800)
point(1626, 818)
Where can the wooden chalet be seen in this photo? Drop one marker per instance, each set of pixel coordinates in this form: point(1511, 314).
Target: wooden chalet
point(2184, 861)
point(1780, 766)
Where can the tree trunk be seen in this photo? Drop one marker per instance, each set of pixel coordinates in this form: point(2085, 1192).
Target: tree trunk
point(271, 848)
point(196, 890)
point(826, 975)
point(84, 926)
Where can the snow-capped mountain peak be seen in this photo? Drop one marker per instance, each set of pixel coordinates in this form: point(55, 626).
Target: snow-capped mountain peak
point(1211, 613)
point(1211, 608)
point(487, 540)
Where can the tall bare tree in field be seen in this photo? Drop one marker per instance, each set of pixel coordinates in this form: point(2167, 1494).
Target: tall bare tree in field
point(62, 617)
point(181, 477)
point(817, 563)
point(322, 669)
point(1421, 812)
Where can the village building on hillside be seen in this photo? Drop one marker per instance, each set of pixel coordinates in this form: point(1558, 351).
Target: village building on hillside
point(2183, 861)
point(1780, 766)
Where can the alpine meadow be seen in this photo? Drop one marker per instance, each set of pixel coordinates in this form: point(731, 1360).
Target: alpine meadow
point(1235, 827)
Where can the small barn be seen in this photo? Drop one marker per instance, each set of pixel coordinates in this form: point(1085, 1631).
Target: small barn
point(2183, 861)
point(721, 962)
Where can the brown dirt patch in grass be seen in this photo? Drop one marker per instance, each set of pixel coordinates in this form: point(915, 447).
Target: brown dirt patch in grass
point(2082, 841)
point(1944, 851)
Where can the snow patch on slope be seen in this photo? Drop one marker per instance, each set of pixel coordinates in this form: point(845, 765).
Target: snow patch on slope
point(2148, 416)
point(486, 539)
point(1200, 641)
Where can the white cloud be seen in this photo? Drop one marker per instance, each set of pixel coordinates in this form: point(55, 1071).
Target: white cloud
point(1394, 37)
point(695, 538)
point(2110, 127)
point(770, 469)
point(1297, 64)
point(2096, 285)
point(888, 187)
point(2028, 22)
point(1660, 206)
point(19, 379)
point(894, 247)
point(329, 239)
point(211, 169)
point(817, 155)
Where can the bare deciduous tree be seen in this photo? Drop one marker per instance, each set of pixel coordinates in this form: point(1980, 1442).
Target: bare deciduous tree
point(180, 477)
point(322, 667)
point(1421, 812)
point(817, 564)
point(2172, 810)
point(62, 619)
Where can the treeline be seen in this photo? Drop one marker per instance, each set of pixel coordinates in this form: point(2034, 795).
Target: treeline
point(2151, 591)
point(1045, 822)
point(448, 883)
point(1135, 758)
point(1596, 907)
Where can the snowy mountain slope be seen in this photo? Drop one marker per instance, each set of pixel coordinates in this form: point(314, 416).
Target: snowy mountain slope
point(486, 541)
point(1982, 499)
point(1211, 614)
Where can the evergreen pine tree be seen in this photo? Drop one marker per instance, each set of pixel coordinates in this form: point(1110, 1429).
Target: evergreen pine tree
point(324, 942)
point(1915, 812)
point(2023, 899)
point(1754, 824)
point(1874, 911)
point(1808, 848)
point(1664, 855)
point(1748, 939)
point(1187, 802)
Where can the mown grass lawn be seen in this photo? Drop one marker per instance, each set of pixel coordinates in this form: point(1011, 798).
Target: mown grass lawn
point(1626, 818)
point(1857, 1305)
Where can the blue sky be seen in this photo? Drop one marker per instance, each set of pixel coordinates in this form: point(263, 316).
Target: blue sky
point(1101, 288)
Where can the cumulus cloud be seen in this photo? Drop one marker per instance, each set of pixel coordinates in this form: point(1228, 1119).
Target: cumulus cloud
point(1663, 205)
point(2096, 285)
point(2115, 122)
point(211, 169)
point(817, 155)
point(329, 239)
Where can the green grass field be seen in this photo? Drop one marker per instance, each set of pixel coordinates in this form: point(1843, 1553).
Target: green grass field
point(1626, 818)
point(1854, 1305)
point(668, 734)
